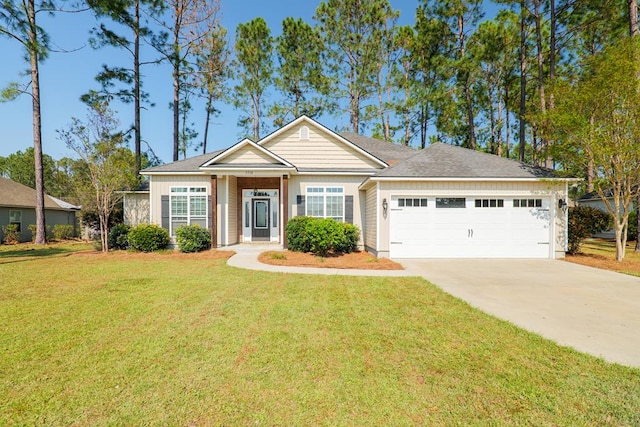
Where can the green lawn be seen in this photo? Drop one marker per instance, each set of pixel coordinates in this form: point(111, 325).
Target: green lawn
point(166, 340)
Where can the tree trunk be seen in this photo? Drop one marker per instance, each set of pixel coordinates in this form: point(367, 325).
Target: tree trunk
point(552, 50)
point(175, 55)
point(633, 17)
point(544, 143)
point(633, 31)
point(492, 115)
point(206, 124)
point(507, 133)
point(41, 236)
point(136, 88)
point(523, 80)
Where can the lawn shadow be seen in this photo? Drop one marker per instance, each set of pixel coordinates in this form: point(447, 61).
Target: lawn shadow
point(20, 255)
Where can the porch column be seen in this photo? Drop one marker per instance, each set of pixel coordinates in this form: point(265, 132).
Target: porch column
point(213, 227)
point(285, 209)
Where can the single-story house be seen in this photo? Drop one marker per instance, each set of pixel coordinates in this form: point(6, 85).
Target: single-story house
point(443, 201)
point(18, 206)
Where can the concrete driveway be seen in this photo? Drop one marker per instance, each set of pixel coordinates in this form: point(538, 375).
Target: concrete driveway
point(594, 311)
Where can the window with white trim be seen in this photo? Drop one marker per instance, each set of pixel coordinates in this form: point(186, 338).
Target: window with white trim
point(325, 202)
point(15, 218)
point(188, 206)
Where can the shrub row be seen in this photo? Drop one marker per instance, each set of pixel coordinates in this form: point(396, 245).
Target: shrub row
point(321, 235)
point(11, 235)
point(150, 237)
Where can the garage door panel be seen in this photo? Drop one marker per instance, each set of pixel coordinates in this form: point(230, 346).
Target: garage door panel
point(471, 232)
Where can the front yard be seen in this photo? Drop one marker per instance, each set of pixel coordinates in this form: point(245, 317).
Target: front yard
point(601, 253)
point(168, 339)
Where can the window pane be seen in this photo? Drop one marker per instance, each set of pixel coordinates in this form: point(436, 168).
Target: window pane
point(15, 217)
point(202, 222)
point(485, 203)
point(492, 203)
point(400, 203)
point(177, 222)
point(478, 203)
point(334, 206)
point(334, 190)
point(179, 190)
point(315, 206)
point(450, 202)
point(423, 202)
point(516, 203)
point(315, 190)
point(261, 214)
point(198, 205)
point(500, 203)
point(198, 190)
point(538, 203)
point(178, 205)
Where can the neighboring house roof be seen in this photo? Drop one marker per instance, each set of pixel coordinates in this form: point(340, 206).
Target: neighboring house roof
point(16, 195)
point(441, 160)
point(190, 165)
point(389, 152)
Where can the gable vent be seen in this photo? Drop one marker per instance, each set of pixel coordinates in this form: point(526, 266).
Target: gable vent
point(304, 133)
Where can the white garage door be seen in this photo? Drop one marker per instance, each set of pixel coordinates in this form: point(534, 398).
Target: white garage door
point(469, 227)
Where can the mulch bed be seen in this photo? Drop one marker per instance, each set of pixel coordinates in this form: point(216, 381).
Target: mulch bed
point(355, 260)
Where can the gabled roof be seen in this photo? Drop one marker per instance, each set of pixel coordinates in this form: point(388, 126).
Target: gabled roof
point(246, 144)
point(308, 121)
point(16, 195)
point(190, 165)
point(387, 151)
point(441, 160)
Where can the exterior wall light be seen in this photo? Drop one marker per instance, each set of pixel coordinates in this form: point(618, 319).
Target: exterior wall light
point(385, 206)
point(562, 204)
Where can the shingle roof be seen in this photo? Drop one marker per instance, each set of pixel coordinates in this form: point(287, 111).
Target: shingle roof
point(388, 152)
point(441, 160)
point(192, 164)
point(14, 194)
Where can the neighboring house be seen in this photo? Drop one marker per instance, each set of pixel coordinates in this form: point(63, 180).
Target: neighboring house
point(594, 200)
point(443, 201)
point(18, 206)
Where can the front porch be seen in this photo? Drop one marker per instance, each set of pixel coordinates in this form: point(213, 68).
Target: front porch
point(249, 209)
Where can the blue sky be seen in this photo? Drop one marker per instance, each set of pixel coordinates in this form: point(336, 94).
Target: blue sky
point(71, 67)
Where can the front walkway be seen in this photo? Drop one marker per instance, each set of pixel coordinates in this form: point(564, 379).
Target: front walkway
point(247, 257)
point(594, 311)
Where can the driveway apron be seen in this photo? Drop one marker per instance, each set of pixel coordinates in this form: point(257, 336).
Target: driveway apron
point(594, 311)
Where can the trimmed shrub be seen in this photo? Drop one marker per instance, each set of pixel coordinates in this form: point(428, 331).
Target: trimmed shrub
point(11, 234)
point(585, 221)
point(297, 239)
point(32, 229)
point(63, 231)
point(321, 235)
point(349, 240)
point(148, 237)
point(119, 237)
point(193, 238)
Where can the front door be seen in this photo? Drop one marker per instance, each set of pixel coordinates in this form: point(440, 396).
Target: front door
point(260, 225)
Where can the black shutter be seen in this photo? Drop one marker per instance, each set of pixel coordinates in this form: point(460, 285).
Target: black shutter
point(301, 205)
point(164, 211)
point(209, 225)
point(348, 209)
